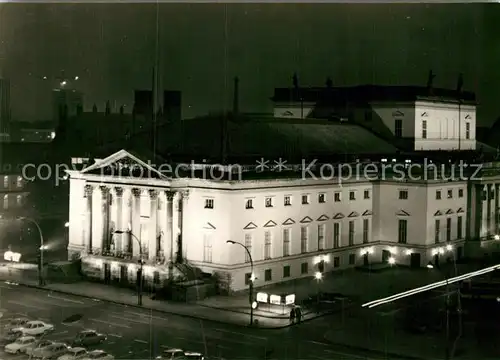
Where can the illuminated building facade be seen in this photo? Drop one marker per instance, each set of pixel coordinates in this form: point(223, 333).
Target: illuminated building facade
point(292, 227)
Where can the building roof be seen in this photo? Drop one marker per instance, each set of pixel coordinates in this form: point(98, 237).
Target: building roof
point(369, 93)
point(250, 137)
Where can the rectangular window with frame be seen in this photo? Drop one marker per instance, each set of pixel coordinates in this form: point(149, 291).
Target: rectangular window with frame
point(352, 259)
point(287, 201)
point(249, 204)
point(337, 196)
point(305, 199)
point(438, 194)
point(286, 271)
point(437, 231)
point(268, 275)
point(366, 194)
point(467, 130)
point(448, 229)
point(321, 198)
point(248, 245)
point(286, 242)
point(366, 231)
point(321, 237)
point(424, 129)
point(460, 193)
point(403, 194)
point(336, 262)
point(336, 235)
point(304, 239)
point(398, 128)
point(267, 245)
point(352, 195)
point(402, 231)
point(351, 233)
point(207, 248)
point(304, 268)
point(269, 202)
point(459, 227)
point(5, 181)
point(209, 203)
point(450, 193)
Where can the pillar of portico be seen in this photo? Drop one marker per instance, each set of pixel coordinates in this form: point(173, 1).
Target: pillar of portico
point(105, 218)
point(170, 233)
point(119, 219)
point(89, 191)
point(153, 224)
point(180, 215)
point(488, 210)
point(136, 222)
point(496, 221)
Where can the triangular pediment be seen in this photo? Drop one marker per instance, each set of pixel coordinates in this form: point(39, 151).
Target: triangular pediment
point(270, 223)
point(323, 218)
point(449, 211)
point(397, 113)
point(250, 226)
point(288, 222)
point(424, 114)
point(467, 117)
point(287, 113)
point(353, 214)
point(307, 219)
point(367, 213)
point(339, 216)
point(123, 164)
point(438, 213)
point(209, 226)
point(402, 213)
point(460, 210)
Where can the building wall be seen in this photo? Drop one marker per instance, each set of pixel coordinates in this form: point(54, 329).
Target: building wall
point(293, 110)
point(13, 193)
point(444, 129)
point(389, 112)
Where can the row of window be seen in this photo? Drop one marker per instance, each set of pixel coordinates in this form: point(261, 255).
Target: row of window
point(5, 205)
point(287, 199)
point(6, 181)
point(398, 129)
point(403, 230)
point(304, 269)
point(403, 194)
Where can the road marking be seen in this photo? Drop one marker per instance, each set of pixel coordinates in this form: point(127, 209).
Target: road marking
point(25, 305)
point(65, 299)
point(110, 323)
point(120, 314)
point(318, 343)
point(140, 341)
point(241, 334)
point(131, 320)
point(115, 335)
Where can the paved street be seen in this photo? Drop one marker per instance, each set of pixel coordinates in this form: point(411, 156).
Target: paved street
point(140, 334)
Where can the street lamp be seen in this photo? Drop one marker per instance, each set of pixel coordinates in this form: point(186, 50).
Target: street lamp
point(141, 263)
point(43, 247)
point(391, 261)
point(318, 276)
point(252, 277)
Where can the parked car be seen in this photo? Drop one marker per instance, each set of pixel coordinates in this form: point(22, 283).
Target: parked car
point(189, 355)
point(37, 345)
point(50, 352)
point(20, 344)
point(35, 328)
point(74, 353)
point(15, 323)
point(89, 337)
point(10, 337)
point(171, 354)
point(98, 354)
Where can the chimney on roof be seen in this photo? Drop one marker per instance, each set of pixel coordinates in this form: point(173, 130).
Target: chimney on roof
point(236, 96)
point(107, 111)
point(430, 81)
point(94, 108)
point(122, 110)
point(295, 81)
point(460, 83)
point(329, 82)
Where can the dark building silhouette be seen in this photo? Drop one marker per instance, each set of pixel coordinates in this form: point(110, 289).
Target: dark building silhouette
point(143, 102)
point(172, 105)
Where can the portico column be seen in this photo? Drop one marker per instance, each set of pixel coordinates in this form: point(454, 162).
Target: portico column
point(182, 205)
point(153, 224)
point(119, 217)
point(496, 222)
point(488, 210)
point(105, 218)
point(89, 191)
point(136, 221)
point(170, 231)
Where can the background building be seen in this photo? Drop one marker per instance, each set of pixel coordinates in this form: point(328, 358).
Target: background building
point(70, 98)
point(5, 112)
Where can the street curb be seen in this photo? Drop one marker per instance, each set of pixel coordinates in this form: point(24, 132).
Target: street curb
point(383, 354)
point(152, 309)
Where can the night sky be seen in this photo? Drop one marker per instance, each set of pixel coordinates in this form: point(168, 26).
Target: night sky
point(203, 46)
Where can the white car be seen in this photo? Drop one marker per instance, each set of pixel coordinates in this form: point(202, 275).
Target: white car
point(98, 354)
point(171, 354)
point(20, 345)
point(75, 353)
point(50, 352)
point(35, 328)
point(38, 345)
point(15, 323)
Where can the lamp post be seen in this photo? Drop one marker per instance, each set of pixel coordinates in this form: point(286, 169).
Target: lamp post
point(141, 264)
point(251, 280)
point(318, 276)
point(41, 280)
